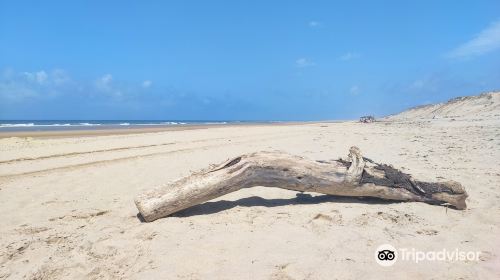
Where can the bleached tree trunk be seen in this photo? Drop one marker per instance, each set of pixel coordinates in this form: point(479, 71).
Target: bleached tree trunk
point(272, 169)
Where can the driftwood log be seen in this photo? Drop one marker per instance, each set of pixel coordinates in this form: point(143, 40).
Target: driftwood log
point(357, 177)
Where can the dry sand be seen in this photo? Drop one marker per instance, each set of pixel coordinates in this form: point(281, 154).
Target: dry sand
point(476, 107)
point(67, 208)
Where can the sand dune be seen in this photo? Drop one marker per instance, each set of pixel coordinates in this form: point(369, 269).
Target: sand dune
point(484, 106)
point(68, 212)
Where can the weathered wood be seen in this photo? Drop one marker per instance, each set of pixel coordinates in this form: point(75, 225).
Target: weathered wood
point(359, 177)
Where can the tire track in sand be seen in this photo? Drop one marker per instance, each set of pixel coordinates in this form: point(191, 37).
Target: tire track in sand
point(153, 154)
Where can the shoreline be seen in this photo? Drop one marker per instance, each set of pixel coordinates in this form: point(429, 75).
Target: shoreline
point(113, 130)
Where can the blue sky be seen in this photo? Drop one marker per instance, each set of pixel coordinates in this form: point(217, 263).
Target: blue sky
point(241, 60)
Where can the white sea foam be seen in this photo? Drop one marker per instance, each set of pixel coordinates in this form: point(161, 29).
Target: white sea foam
point(32, 125)
point(16, 124)
point(215, 123)
point(87, 124)
point(13, 125)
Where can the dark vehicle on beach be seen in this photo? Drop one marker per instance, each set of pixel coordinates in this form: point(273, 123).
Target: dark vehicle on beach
point(367, 119)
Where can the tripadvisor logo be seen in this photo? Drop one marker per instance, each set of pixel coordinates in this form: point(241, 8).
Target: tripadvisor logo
point(387, 255)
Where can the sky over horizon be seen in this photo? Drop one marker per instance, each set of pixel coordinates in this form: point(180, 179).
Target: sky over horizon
point(242, 60)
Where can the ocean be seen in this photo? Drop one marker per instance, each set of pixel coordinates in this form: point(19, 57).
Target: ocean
point(46, 125)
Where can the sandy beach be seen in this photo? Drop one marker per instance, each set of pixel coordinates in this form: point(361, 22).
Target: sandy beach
point(68, 211)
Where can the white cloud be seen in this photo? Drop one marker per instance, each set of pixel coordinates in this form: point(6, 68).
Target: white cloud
point(106, 79)
point(147, 83)
point(29, 76)
point(39, 77)
point(354, 90)
point(349, 56)
point(105, 84)
point(18, 87)
point(14, 91)
point(304, 62)
point(486, 41)
point(56, 77)
point(60, 77)
point(315, 24)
